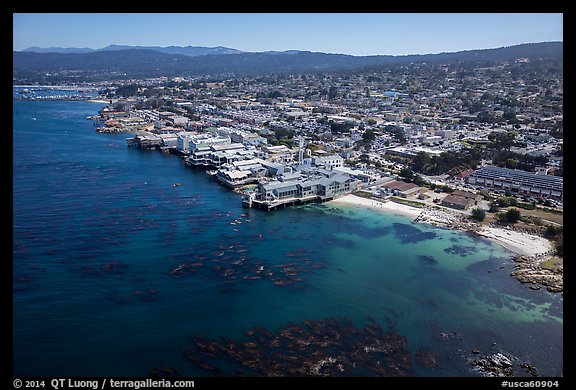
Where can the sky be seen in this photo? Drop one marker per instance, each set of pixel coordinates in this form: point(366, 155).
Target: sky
point(345, 33)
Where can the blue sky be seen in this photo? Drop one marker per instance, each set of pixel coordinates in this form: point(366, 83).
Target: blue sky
point(347, 33)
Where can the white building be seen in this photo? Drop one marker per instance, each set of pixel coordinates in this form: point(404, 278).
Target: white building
point(188, 142)
point(328, 162)
point(280, 153)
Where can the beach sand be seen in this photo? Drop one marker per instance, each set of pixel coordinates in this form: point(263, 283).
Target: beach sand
point(517, 242)
point(393, 207)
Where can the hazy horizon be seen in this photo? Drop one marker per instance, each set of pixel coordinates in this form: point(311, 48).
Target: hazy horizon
point(343, 33)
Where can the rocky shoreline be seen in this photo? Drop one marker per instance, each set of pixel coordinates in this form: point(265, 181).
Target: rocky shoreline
point(535, 262)
point(540, 272)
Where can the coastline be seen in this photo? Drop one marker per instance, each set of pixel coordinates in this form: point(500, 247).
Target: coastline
point(522, 244)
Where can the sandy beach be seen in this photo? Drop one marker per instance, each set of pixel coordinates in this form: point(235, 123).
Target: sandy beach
point(517, 242)
point(389, 206)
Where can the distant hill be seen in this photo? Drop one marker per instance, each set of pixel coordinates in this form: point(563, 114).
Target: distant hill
point(282, 52)
point(36, 49)
point(191, 51)
point(148, 62)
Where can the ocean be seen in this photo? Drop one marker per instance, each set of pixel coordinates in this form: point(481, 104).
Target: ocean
point(118, 272)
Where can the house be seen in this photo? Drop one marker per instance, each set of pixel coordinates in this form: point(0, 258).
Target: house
point(402, 188)
point(467, 194)
point(462, 176)
point(457, 202)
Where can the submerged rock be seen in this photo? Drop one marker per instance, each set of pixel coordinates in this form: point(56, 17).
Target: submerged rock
point(330, 347)
point(427, 358)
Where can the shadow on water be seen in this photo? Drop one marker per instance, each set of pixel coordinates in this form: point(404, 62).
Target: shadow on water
point(409, 234)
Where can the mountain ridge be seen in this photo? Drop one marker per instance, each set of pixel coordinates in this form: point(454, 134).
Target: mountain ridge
point(147, 62)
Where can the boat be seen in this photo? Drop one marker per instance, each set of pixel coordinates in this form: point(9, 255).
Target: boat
point(177, 184)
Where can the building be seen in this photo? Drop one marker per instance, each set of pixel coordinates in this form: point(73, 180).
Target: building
point(218, 155)
point(315, 186)
point(189, 142)
point(242, 172)
point(402, 188)
point(328, 162)
point(169, 140)
point(468, 195)
point(145, 141)
point(518, 181)
point(243, 137)
point(461, 176)
point(412, 152)
point(457, 202)
point(203, 140)
point(461, 200)
point(279, 153)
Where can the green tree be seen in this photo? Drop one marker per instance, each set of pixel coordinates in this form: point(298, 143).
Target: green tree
point(417, 179)
point(560, 247)
point(512, 215)
point(407, 174)
point(478, 214)
point(552, 231)
point(368, 136)
point(127, 90)
point(421, 162)
point(332, 92)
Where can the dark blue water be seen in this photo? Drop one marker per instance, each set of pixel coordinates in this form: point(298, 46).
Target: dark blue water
point(115, 268)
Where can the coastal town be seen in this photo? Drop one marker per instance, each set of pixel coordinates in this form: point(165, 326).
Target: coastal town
point(472, 146)
point(278, 194)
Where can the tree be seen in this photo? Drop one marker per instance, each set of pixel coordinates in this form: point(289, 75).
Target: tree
point(552, 231)
point(275, 94)
point(119, 106)
point(332, 92)
point(368, 136)
point(417, 179)
point(421, 162)
point(407, 174)
point(560, 247)
point(512, 215)
point(478, 214)
point(127, 90)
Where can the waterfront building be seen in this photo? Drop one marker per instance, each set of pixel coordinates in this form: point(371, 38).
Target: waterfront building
point(315, 185)
point(402, 188)
point(243, 137)
point(190, 142)
point(151, 141)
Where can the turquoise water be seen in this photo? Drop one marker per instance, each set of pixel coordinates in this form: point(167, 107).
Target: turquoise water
point(100, 233)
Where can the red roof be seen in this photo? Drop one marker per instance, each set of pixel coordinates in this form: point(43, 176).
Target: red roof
point(464, 174)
